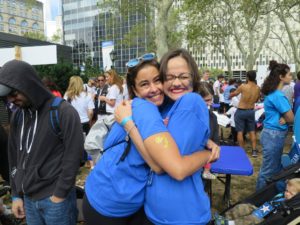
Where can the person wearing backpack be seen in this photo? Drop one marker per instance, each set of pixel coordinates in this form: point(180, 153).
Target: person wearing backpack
point(43, 163)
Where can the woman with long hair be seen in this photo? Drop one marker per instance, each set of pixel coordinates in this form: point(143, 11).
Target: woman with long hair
point(170, 199)
point(115, 189)
point(278, 114)
point(115, 91)
point(81, 101)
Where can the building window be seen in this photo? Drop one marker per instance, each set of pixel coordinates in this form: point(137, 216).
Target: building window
point(12, 20)
point(35, 26)
point(24, 23)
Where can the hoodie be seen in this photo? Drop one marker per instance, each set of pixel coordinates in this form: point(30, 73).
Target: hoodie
point(41, 162)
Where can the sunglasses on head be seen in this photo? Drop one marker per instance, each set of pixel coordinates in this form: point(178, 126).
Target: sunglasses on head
point(134, 62)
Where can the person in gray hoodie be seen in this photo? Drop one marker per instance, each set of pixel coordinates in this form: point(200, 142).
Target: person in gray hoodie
point(43, 164)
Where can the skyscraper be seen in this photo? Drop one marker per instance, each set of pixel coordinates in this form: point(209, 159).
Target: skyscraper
point(86, 27)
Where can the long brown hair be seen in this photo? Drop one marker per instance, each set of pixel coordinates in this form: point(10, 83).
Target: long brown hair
point(116, 79)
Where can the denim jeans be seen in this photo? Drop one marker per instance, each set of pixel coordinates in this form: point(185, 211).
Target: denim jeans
point(272, 142)
point(46, 212)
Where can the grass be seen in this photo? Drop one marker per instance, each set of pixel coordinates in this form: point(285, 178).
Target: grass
point(241, 186)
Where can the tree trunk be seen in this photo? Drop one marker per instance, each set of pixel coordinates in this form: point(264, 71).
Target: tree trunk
point(292, 41)
point(161, 28)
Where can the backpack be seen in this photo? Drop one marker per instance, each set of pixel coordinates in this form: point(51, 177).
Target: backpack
point(95, 139)
point(54, 116)
point(94, 142)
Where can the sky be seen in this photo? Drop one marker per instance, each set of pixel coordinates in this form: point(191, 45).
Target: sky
point(51, 9)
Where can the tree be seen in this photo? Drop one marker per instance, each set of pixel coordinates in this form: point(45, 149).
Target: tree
point(60, 73)
point(251, 21)
point(159, 17)
point(35, 35)
point(218, 23)
point(57, 36)
point(206, 27)
point(288, 13)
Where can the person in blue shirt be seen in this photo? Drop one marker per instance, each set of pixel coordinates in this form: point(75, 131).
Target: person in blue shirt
point(227, 98)
point(169, 200)
point(278, 114)
point(115, 189)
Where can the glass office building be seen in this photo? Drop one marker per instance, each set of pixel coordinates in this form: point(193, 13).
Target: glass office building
point(86, 26)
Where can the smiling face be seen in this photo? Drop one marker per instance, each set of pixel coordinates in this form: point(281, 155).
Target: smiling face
point(182, 80)
point(148, 85)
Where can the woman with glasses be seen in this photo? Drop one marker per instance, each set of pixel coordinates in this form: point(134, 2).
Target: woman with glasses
point(115, 91)
point(169, 200)
point(115, 189)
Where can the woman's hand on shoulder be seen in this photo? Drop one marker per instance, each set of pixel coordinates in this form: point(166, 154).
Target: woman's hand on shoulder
point(123, 110)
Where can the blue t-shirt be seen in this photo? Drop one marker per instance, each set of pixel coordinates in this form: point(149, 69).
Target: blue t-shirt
point(227, 99)
point(169, 201)
point(118, 189)
point(297, 126)
point(275, 105)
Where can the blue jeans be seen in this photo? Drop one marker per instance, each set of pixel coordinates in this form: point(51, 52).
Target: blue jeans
point(272, 142)
point(45, 212)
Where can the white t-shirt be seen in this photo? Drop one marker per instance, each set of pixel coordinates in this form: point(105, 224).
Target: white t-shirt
point(234, 103)
point(88, 89)
point(113, 93)
point(82, 104)
point(216, 87)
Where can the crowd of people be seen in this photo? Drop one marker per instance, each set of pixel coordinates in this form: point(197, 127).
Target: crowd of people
point(157, 152)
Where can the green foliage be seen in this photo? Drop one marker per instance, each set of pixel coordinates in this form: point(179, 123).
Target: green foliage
point(124, 10)
point(60, 73)
point(213, 72)
point(35, 35)
point(90, 70)
point(56, 37)
point(174, 36)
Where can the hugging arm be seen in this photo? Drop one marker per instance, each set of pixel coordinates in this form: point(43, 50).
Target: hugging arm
point(162, 150)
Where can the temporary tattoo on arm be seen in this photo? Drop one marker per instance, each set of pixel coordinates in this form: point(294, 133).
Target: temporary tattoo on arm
point(162, 140)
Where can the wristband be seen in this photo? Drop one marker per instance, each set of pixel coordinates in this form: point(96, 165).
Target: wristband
point(125, 120)
point(15, 198)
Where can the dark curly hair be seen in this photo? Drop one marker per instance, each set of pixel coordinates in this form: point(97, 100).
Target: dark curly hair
point(272, 81)
point(132, 74)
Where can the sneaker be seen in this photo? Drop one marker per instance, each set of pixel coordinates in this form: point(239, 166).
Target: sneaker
point(209, 176)
point(254, 153)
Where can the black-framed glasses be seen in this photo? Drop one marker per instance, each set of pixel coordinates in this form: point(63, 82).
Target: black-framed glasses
point(182, 77)
point(134, 62)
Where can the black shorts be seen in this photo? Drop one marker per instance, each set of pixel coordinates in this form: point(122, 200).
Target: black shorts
point(244, 120)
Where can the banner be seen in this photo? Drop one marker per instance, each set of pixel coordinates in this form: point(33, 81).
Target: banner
point(107, 47)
